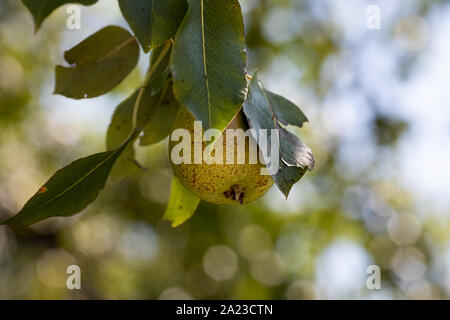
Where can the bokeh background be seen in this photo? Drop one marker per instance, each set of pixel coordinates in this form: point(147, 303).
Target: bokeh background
point(379, 109)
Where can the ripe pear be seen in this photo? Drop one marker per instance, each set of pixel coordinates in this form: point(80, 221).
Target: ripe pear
point(222, 183)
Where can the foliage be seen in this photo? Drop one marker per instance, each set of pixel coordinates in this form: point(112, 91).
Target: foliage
point(153, 22)
point(99, 64)
point(71, 189)
point(208, 61)
point(182, 204)
point(198, 60)
point(266, 110)
point(43, 8)
point(371, 104)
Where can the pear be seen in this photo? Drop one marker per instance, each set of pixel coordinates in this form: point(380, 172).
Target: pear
point(220, 183)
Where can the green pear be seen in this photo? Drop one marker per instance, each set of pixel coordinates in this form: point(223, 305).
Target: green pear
point(220, 183)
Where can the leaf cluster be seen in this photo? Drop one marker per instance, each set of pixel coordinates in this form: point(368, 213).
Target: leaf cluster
point(197, 60)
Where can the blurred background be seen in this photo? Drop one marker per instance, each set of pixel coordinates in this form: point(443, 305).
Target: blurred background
point(379, 109)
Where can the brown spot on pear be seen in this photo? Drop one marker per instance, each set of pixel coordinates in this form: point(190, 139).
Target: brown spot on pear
point(222, 183)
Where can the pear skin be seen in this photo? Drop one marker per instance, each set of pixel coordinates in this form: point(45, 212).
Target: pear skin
point(223, 183)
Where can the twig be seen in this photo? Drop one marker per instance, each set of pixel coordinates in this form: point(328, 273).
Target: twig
point(148, 78)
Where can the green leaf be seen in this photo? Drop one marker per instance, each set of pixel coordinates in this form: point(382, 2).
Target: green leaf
point(295, 158)
point(118, 130)
point(121, 122)
point(161, 72)
point(71, 189)
point(160, 115)
point(153, 21)
point(156, 115)
point(99, 63)
point(209, 61)
point(41, 9)
point(286, 111)
point(120, 125)
point(157, 110)
point(182, 204)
